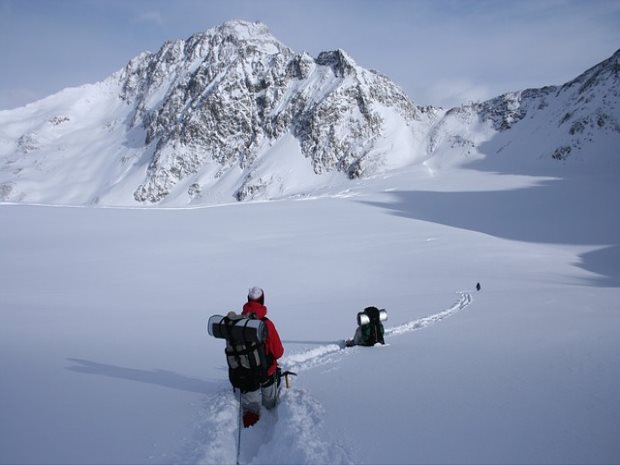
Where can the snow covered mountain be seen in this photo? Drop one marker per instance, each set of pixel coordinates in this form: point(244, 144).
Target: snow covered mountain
point(578, 122)
point(222, 99)
point(106, 358)
point(234, 114)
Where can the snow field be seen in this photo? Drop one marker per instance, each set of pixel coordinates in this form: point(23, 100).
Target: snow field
point(105, 355)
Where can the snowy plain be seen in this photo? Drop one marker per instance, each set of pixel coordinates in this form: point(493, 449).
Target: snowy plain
point(105, 356)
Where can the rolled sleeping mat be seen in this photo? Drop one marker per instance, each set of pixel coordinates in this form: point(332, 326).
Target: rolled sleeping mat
point(242, 329)
point(364, 319)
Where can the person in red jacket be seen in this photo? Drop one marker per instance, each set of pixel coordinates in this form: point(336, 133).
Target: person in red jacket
point(267, 394)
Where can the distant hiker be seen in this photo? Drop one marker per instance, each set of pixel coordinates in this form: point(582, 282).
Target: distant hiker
point(369, 328)
point(268, 391)
point(478, 287)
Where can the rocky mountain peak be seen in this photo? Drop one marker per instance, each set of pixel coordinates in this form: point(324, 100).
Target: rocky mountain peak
point(338, 60)
point(220, 96)
point(244, 30)
point(216, 48)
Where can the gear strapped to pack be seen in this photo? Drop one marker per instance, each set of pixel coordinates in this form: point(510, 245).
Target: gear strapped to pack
point(245, 349)
point(371, 327)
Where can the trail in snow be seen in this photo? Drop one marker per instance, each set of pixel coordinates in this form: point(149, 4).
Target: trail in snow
point(329, 352)
point(420, 323)
point(290, 434)
point(297, 421)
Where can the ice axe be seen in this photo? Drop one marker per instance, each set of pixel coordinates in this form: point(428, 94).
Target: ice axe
point(286, 375)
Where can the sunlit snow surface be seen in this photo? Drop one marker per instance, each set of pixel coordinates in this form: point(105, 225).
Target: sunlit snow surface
point(105, 356)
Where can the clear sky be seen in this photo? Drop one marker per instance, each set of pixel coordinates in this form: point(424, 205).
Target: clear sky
point(442, 52)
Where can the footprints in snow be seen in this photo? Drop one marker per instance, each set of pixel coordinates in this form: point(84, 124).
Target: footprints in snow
point(292, 433)
point(331, 352)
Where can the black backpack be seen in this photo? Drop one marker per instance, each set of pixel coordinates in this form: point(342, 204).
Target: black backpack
point(372, 330)
point(245, 349)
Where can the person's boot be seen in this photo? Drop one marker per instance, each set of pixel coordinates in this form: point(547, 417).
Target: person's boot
point(249, 419)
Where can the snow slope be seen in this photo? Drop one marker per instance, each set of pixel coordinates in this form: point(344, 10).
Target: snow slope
point(105, 356)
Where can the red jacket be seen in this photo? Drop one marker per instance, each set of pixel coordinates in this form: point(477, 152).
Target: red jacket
point(273, 344)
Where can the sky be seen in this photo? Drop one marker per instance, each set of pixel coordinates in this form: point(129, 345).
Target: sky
point(441, 52)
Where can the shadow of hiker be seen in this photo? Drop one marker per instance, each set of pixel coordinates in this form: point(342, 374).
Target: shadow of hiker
point(163, 378)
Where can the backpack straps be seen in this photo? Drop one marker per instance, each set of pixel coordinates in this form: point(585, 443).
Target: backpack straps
point(233, 343)
point(269, 359)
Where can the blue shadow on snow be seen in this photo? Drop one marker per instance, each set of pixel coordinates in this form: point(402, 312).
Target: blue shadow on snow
point(554, 212)
point(163, 378)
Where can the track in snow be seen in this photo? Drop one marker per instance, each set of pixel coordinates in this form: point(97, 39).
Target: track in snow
point(328, 352)
point(464, 300)
point(290, 434)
